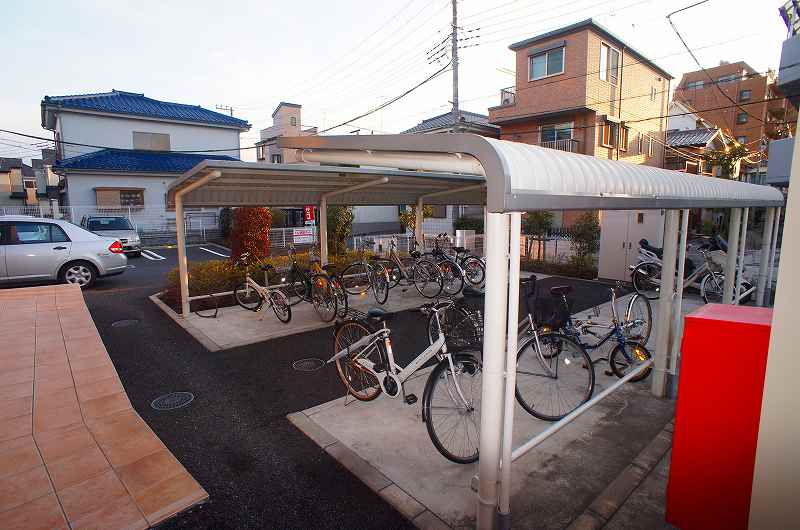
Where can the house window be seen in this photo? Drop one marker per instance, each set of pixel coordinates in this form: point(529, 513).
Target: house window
point(694, 85)
point(741, 118)
point(691, 167)
point(546, 64)
point(727, 79)
point(115, 198)
point(276, 159)
point(439, 212)
point(556, 131)
point(148, 141)
point(623, 138)
point(261, 152)
point(29, 184)
point(293, 121)
point(745, 95)
point(741, 139)
point(609, 64)
point(608, 134)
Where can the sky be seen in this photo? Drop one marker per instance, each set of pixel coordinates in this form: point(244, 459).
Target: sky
point(339, 59)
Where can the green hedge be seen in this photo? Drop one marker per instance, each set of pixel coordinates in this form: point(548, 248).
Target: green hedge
point(561, 269)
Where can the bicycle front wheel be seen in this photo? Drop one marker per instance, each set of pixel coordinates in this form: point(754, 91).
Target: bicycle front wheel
point(355, 278)
point(280, 306)
point(554, 377)
point(247, 297)
point(295, 287)
point(451, 408)
point(427, 278)
point(628, 356)
point(458, 326)
point(394, 271)
point(452, 277)
point(360, 382)
point(711, 288)
point(380, 283)
point(646, 279)
point(474, 270)
point(341, 297)
point(639, 317)
point(323, 297)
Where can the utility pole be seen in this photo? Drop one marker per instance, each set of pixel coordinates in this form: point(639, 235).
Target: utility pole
point(225, 108)
point(454, 46)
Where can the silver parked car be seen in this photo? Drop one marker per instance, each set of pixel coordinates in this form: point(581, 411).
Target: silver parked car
point(35, 249)
point(116, 226)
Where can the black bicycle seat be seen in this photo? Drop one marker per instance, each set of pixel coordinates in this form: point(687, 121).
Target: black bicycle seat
point(459, 249)
point(267, 267)
point(377, 314)
point(561, 290)
point(329, 267)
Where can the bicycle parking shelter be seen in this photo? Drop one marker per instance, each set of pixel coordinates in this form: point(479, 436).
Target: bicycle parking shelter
point(507, 178)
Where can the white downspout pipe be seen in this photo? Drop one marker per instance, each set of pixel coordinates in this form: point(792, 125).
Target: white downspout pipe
point(667, 291)
point(766, 251)
point(323, 212)
point(740, 271)
point(494, 346)
point(773, 248)
point(180, 229)
point(677, 309)
point(419, 234)
point(733, 250)
point(504, 515)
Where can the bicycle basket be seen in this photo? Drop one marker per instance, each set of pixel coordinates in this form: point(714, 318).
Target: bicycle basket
point(552, 312)
point(716, 261)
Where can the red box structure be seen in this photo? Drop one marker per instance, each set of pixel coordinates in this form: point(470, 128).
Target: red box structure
point(724, 357)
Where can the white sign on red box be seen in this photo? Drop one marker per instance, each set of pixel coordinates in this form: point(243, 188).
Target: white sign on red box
point(302, 236)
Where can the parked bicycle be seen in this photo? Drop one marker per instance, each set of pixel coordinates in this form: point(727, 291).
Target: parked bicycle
point(365, 274)
point(451, 400)
point(302, 285)
point(252, 296)
point(422, 272)
point(473, 269)
point(337, 285)
point(452, 274)
point(708, 278)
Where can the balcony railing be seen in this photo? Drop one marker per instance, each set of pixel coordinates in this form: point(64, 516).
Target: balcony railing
point(566, 144)
point(508, 96)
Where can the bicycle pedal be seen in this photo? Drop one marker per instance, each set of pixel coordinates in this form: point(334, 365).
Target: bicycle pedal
point(410, 399)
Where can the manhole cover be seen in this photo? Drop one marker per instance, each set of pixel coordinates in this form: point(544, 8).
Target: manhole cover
point(311, 364)
point(124, 323)
point(175, 400)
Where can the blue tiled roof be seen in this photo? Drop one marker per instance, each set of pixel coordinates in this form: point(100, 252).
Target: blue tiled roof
point(136, 161)
point(119, 102)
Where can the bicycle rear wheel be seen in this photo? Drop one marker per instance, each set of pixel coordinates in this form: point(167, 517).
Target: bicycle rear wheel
point(553, 382)
point(394, 271)
point(360, 383)
point(711, 288)
point(341, 297)
point(452, 277)
point(355, 278)
point(295, 287)
point(247, 297)
point(380, 283)
point(639, 315)
point(427, 278)
point(646, 279)
point(474, 270)
point(454, 423)
point(628, 356)
point(323, 297)
point(280, 306)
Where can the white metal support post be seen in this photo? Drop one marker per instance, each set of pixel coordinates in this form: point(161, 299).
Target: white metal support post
point(663, 330)
point(677, 306)
point(773, 248)
point(766, 252)
point(494, 360)
point(504, 508)
point(740, 261)
point(733, 250)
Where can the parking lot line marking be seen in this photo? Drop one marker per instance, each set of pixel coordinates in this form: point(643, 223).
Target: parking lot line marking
point(152, 256)
point(213, 252)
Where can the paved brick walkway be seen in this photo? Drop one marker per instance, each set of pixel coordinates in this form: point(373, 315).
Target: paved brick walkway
point(73, 452)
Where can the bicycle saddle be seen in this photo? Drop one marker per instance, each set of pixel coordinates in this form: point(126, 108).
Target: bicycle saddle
point(267, 267)
point(377, 314)
point(645, 244)
point(329, 267)
point(459, 249)
point(561, 290)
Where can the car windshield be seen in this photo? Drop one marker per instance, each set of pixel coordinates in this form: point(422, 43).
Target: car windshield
point(109, 223)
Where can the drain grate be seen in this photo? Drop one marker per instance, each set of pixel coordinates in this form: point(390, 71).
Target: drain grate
point(124, 323)
point(172, 401)
point(312, 364)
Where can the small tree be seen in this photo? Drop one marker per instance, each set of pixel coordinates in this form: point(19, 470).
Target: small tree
point(585, 240)
point(728, 160)
point(408, 217)
point(250, 233)
point(537, 223)
point(340, 227)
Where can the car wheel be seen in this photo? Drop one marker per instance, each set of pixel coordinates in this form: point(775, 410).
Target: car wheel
point(80, 273)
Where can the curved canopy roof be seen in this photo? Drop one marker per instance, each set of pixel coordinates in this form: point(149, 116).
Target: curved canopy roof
point(518, 177)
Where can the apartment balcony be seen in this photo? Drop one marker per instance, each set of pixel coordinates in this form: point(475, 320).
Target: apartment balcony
point(567, 144)
point(508, 96)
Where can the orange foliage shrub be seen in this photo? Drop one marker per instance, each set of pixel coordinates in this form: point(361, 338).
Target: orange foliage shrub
point(251, 233)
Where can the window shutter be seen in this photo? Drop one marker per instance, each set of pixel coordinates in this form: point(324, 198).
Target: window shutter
point(107, 198)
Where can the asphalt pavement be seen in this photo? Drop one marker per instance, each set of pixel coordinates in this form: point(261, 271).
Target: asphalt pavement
point(260, 471)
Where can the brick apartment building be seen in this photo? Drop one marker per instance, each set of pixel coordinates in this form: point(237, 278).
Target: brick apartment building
point(584, 90)
point(758, 119)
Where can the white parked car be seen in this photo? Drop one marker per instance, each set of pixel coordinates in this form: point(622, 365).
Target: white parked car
point(36, 249)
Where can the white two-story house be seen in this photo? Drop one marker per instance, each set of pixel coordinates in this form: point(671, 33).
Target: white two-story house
point(122, 149)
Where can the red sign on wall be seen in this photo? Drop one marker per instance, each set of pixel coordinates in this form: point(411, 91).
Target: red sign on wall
point(308, 215)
